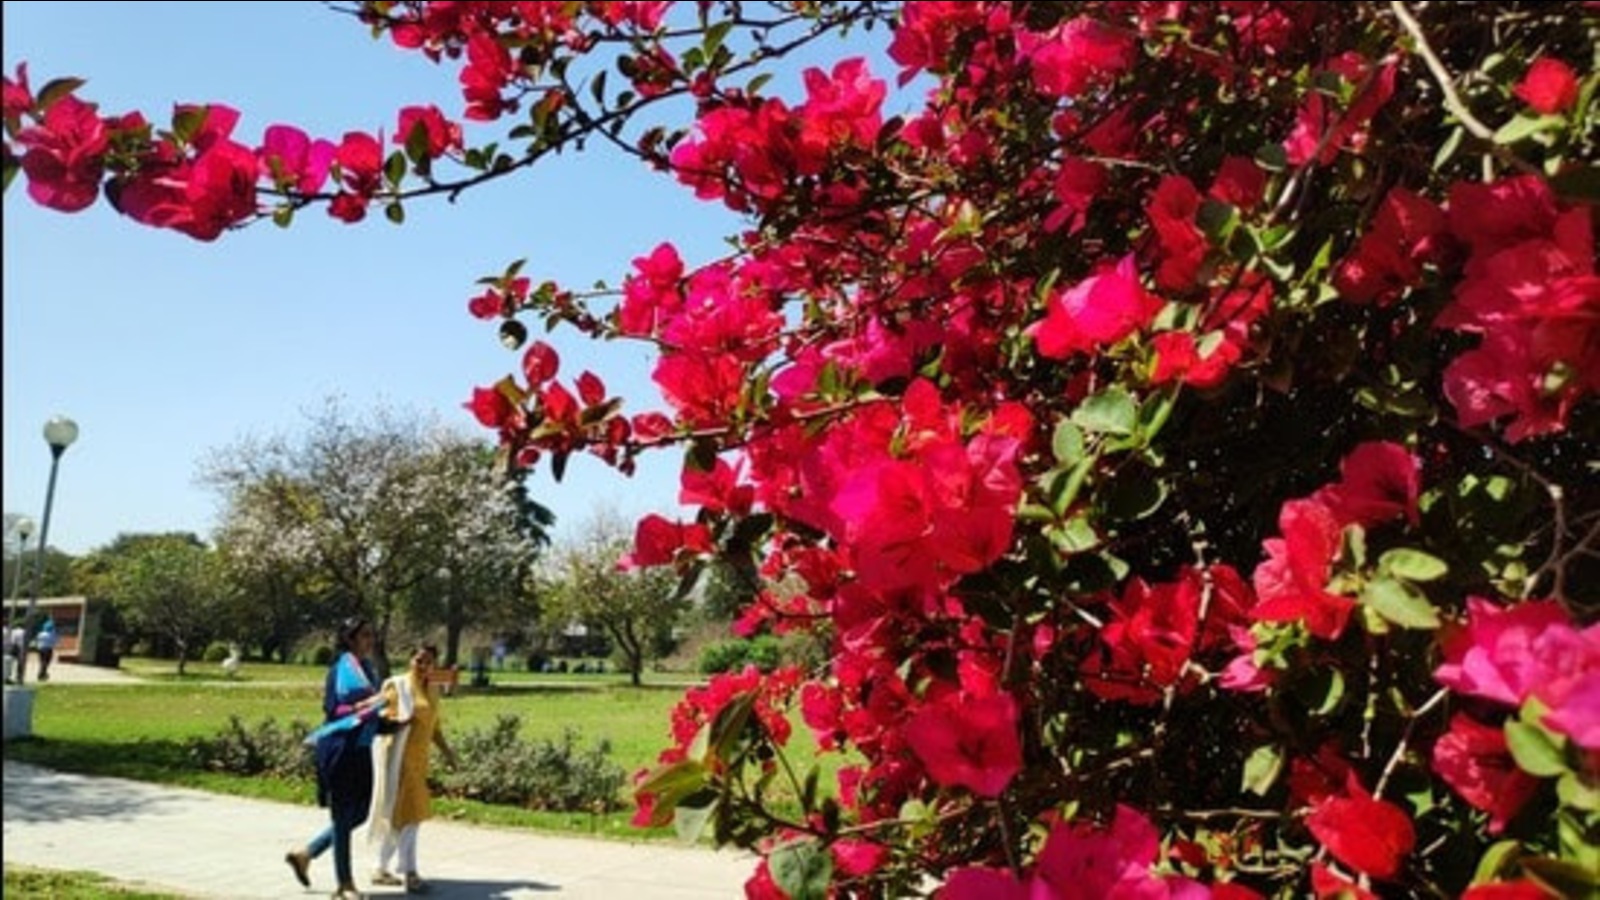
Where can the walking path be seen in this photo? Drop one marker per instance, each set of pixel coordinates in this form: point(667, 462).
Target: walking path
point(197, 844)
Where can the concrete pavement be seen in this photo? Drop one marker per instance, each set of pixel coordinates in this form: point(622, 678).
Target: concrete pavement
point(202, 845)
point(197, 844)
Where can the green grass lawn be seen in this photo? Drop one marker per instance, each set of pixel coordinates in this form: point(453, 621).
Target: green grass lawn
point(139, 731)
point(23, 882)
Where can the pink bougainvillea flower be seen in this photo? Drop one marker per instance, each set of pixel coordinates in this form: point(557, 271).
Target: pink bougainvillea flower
point(65, 155)
point(1575, 709)
point(1473, 759)
point(1505, 652)
point(1369, 835)
point(1099, 311)
point(1550, 87)
point(967, 741)
point(290, 158)
point(17, 97)
point(1082, 862)
point(1075, 55)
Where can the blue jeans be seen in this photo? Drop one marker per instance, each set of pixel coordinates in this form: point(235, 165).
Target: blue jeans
point(350, 797)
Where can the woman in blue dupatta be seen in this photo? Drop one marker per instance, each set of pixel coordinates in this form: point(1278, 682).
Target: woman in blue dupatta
point(350, 705)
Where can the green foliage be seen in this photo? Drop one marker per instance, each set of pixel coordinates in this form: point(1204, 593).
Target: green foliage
point(215, 652)
point(499, 766)
point(763, 651)
point(267, 748)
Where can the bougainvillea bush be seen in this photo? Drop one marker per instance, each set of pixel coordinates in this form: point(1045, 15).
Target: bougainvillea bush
point(1180, 426)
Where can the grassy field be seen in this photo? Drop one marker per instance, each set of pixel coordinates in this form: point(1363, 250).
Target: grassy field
point(139, 731)
point(23, 882)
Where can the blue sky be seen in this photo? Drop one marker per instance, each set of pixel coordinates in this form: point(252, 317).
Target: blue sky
point(163, 348)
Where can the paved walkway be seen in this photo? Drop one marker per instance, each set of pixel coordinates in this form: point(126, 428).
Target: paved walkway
point(197, 844)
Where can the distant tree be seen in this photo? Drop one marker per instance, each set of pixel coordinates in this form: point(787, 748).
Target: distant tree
point(169, 586)
point(366, 513)
point(275, 591)
point(584, 584)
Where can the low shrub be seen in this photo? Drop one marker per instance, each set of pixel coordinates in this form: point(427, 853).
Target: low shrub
point(498, 766)
point(732, 655)
point(267, 748)
point(216, 652)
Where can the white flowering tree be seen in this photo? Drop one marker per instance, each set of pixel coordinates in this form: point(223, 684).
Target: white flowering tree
point(356, 514)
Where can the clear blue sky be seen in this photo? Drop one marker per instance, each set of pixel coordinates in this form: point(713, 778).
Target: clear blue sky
point(163, 348)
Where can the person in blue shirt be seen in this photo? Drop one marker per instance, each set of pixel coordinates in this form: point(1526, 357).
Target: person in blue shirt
point(45, 640)
point(350, 705)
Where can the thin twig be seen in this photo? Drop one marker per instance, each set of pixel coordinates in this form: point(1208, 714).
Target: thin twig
point(1405, 739)
point(1452, 99)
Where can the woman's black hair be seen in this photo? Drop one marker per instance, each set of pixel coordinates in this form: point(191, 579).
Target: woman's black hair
point(348, 629)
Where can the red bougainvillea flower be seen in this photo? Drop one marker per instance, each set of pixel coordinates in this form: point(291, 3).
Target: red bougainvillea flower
point(968, 741)
point(1473, 759)
point(1379, 483)
point(1327, 884)
point(439, 135)
point(1407, 232)
point(1550, 87)
point(1291, 583)
point(1369, 835)
point(658, 541)
point(1096, 313)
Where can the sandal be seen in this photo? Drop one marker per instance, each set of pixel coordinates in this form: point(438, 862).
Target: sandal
point(348, 892)
point(386, 878)
point(415, 884)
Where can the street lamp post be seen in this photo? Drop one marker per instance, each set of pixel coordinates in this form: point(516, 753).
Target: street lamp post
point(24, 530)
point(59, 433)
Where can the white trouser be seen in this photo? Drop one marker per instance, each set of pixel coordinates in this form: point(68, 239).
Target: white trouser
point(406, 843)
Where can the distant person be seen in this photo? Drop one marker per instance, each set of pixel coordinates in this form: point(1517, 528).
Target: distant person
point(400, 801)
point(500, 654)
point(350, 705)
point(45, 641)
point(16, 651)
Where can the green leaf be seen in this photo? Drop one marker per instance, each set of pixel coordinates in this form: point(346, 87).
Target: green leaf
point(1067, 444)
point(1413, 565)
point(1261, 769)
point(1400, 603)
point(1135, 495)
point(55, 90)
point(802, 869)
point(1449, 147)
point(1076, 536)
point(1574, 794)
point(1534, 750)
point(670, 784)
point(1522, 127)
point(395, 213)
point(691, 815)
point(1272, 158)
point(1065, 490)
point(12, 167)
point(1217, 219)
point(1112, 411)
point(1496, 860)
point(1560, 877)
point(394, 168)
point(728, 727)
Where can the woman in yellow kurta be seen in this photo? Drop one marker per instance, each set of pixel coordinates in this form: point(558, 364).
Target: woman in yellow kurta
point(400, 800)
